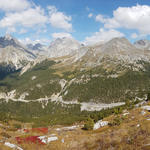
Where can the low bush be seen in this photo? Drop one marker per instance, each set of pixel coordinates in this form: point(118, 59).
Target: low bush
point(4, 134)
point(17, 126)
point(116, 122)
point(89, 124)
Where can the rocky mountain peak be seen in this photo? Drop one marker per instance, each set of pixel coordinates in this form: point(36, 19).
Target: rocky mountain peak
point(63, 46)
point(119, 41)
point(13, 52)
point(8, 37)
point(9, 40)
point(143, 44)
point(36, 46)
point(65, 41)
point(117, 46)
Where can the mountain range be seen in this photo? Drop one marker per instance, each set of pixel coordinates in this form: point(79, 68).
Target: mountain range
point(12, 52)
point(65, 69)
point(18, 55)
point(66, 81)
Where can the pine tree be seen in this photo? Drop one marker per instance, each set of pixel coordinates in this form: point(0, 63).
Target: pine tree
point(89, 124)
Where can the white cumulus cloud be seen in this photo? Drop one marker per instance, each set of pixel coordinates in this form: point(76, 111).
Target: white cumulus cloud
point(11, 30)
point(135, 17)
point(100, 18)
point(102, 36)
point(61, 35)
point(26, 41)
point(22, 31)
point(14, 5)
point(134, 35)
point(26, 18)
point(59, 20)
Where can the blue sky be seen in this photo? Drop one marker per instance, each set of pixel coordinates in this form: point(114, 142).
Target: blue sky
point(88, 21)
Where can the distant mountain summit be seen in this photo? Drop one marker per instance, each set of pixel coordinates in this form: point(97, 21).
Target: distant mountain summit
point(63, 46)
point(36, 47)
point(118, 51)
point(118, 45)
point(109, 55)
point(8, 40)
point(13, 53)
point(105, 72)
point(142, 44)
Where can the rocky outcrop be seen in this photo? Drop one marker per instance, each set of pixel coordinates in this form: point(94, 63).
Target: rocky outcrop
point(13, 53)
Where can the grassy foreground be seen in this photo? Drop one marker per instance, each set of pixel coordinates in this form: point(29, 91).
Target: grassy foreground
point(132, 131)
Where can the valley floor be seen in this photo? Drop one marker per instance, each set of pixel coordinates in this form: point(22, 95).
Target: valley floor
point(132, 133)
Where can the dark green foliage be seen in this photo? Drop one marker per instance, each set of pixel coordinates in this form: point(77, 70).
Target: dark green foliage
point(5, 115)
point(43, 65)
point(6, 70)
point(148, 96)
point(116, 122)
point(53, 113)
point(17, 126)
point(128, 103)
point(89, 124)
point(99, 89)
point(136, 102)
point(98, 115)
point(118, 110)
point(109, 90)
point(24, 83)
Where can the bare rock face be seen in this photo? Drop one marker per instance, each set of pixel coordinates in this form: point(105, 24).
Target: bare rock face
point(108, 54)
point(118, 51)
point(38, 49)
point(115, 51)
point(13, 53)
point(63, 47)
point(124, 50)
point(142, 44)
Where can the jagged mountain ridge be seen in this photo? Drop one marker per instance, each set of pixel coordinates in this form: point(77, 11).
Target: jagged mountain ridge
point(8, 40)
point(63, 47)
point(104, 73)
point(142, 44)
point(118, 49)
point(47, 91)
point(115, 51)
point(13, 53)
point(122, 49)
point(36, 47)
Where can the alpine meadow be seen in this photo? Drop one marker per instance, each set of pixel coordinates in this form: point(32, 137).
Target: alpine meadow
point(74, 75)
